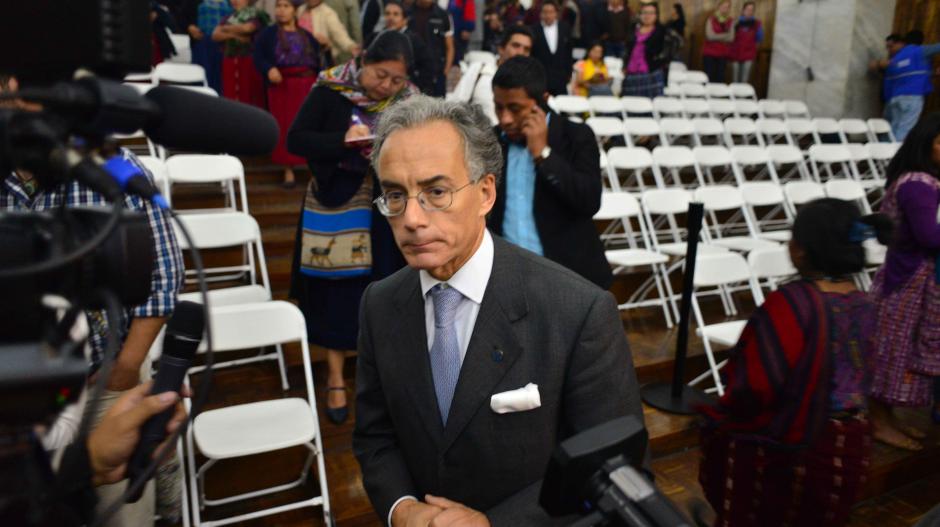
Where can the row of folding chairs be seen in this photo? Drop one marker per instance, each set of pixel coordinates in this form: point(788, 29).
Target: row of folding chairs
point(666, 106)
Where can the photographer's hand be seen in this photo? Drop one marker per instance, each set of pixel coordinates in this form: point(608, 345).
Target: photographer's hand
point(111, 444)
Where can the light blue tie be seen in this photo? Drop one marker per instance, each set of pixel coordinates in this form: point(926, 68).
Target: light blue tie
point(445, 351)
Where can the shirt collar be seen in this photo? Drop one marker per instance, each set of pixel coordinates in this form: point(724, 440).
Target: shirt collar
point(471, 279)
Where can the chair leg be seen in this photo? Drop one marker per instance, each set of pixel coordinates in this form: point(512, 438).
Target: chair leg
point(662, 297)
point(280, 363)
point(184, 501)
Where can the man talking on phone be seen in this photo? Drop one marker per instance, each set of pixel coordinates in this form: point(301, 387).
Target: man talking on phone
point(551, 183)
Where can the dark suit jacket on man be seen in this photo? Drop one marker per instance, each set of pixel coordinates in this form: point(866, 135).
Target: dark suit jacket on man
point(567, 195)
point(538, 323)
point(557, 65)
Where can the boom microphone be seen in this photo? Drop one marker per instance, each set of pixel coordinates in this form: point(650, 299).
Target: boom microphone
point(172, 116)
point(181, 339)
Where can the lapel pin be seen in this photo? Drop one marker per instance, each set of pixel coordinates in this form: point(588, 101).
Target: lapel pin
point(497, 355)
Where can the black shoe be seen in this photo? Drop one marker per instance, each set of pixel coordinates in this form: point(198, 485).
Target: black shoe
point(339, 415)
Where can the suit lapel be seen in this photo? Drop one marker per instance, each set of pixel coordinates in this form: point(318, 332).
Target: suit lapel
point(412, 350)
point(493, 347)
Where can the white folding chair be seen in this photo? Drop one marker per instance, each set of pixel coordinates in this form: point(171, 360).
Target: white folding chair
point(637, 162)
point(676, 78)
point(774, 223)
point(718, 90)
point(672, 90)
point(675, 66)
point(184, 53)
point(742, 90)
point(773, 131)
point(637, 106)
point(881, 154)
point(721, 108)
point(848, 190)
point(797, 109)
point(802, 192)
point(746, 108)
point(606, 105)
point(854, 130)
point(708, 127)
point(622, 207)
point(864, 167)
point(802, 132)
point(613, 63)
point(752, 163)
point(771, 266)
point(878, 128)
point(728, 200)
point(692, 90)
point(771, 109)
point(675, 128)
point(605, 129)
point(712, 158)
point(224, 170)
point(571, 105)
point(720, 270)
point(695, 108)
point(474, 56)
point(784, 156)
point(831, 160)
point(674, 160)
point(157, 169)
point(139, 78)
point(743, 128)
point(696, 77)
point(263, 426)
point(826, 131)
point(637, 127)
point(666, 106)
point(174, 73)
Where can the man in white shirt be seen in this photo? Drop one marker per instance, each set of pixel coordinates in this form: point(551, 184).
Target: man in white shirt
point(472, 316)
point(476, 85)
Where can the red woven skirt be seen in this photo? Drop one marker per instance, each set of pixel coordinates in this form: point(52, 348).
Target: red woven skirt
point(284, 100)
point(750, 483)
point(241, 81)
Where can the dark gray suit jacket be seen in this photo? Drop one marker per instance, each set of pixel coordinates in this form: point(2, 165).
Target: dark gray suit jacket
point(538, 323)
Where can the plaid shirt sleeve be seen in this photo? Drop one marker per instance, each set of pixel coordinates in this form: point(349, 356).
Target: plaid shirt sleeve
point(167, 278)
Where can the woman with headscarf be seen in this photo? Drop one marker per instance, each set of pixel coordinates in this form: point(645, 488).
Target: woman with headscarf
point(288, 58)
point(342, 243)
point(240, 79)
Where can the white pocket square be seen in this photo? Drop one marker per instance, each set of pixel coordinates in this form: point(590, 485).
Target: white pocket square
point(520, 400)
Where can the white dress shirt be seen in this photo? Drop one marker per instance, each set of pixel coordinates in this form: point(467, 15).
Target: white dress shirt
point(470, 280)
point(551, 36)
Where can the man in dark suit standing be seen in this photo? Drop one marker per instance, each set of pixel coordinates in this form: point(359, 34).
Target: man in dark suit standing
point(553, 48)
point(551, 185)
point(470, 318)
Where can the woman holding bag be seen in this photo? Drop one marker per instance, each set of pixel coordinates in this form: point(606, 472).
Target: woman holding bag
point(342, 243)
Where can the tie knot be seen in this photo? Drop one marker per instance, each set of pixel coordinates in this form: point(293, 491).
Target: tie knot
point(446, 299)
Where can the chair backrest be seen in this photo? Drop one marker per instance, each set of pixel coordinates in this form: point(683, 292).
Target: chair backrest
point(740, 126)
point(640, 126)
point(692, 89)
point(629, 158)
point(858, 152)
point(218, 229)
point(712, 156)
point(705, 126)
point(667, 105)
point(854, 127)
point(882, 151)
point(676, 126)
point(771, 262)
point(750, 155)
point(179, 73)
point(666, 201)
point(762, 193)
point(615, 205)
point(799, 127)
point(742, 90)
point(571, 104)
point(675, 66)
point(613, 63)
point(878, 127)
point(745, 107)
point(784, 154)
point(830, 153)
point(676, 78)
point(717, 90)
point(475, 56)
point(697, 77)
point(695, 107)
point(771, 108)
point(184, 53)
point(637, 105)
point(719, 197)
point(800, 192)
point(255, 325)
point(825, 125)
point(771, 126)
point(720, 269)
point(720, 107)
point(606, 126)
point(796, 108)
point(673, 156)
point(605, 104)
point(204, 168)
point(848, 190)
point(672, 90)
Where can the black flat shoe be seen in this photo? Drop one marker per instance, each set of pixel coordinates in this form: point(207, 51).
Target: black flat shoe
point(339, 415)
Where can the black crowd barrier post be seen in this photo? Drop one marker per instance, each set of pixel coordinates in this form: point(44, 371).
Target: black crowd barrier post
point(678, 397)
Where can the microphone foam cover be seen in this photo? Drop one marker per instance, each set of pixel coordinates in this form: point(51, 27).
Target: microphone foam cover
point(202, 123)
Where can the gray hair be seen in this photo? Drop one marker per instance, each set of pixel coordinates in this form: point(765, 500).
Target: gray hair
point(482, 152)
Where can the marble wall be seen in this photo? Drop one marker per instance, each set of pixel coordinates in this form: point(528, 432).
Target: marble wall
point(834, 40)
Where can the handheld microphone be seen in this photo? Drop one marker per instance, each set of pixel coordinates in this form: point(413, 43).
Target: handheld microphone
point(181, 339)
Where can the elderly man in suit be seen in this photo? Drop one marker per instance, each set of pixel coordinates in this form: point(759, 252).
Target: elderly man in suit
point(471, 316)
point(551, 185)
point(552, 47)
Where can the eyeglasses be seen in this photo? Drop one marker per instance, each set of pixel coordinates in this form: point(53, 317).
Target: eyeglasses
point(434, 198)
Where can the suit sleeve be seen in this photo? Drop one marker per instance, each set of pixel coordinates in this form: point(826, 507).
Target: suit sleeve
point(385, 475)
point(576, 182)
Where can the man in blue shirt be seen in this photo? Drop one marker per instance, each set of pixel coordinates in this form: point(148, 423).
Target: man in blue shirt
point(551, 183)
point(906, 82)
